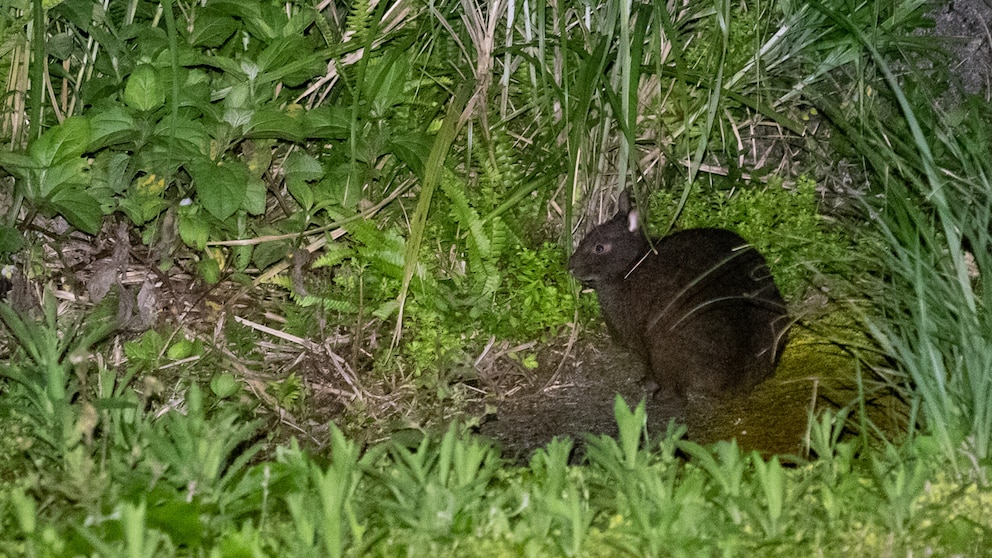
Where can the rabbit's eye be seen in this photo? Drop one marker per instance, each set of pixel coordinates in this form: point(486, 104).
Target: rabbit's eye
point(600, 248)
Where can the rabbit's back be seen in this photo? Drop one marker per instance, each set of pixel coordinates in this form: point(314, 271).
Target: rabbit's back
point(719, 323)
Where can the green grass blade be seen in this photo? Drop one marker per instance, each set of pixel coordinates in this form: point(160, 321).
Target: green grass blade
point(453, 121)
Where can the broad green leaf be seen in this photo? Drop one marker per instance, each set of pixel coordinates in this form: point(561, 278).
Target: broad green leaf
point(98, 89)
point(327, 122)
point(133, 210)
point(241, 256)
point(212, 28)
point(388, 84)
point(110, 127)
point(220, 188)
point(341, 186)
point(49, 181)
point(257, 155)
point(302, 166)
point(291, 61)
point(280, 52)
point(144, 89)
point(11, 239)
point(255, 196)
point(193, 230)
point(190, 136)
point(268, 253)
point(272, 123)
point(298, 23)
point(17, 164)
point(224, 385)
point(266, 25)
point(59, 45)
point(237, 8)
point(141, 210)
point(111, 169)
point(227, 65)
point(180, 349)
point(79, 208)
point(194, 85)
point(301, 192)
point(66, 141)
point(238, 97)
point(209, 270)
point(413, 149)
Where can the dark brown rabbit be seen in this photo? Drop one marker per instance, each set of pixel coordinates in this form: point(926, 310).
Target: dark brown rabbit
point(702, 308)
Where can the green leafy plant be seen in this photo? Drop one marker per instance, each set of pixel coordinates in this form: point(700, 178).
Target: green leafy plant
point(900, 481)
point(435, 490)
point(165, 132)
point(52, 175)
point(450, 493)
point(648, 496)
point(186, 453)
point(49, 376)
point(289, 392)
point(771, 480)
point(243, 130)
point(561, 508)
point(331, 492)
point(152, 350)
point(725, 465)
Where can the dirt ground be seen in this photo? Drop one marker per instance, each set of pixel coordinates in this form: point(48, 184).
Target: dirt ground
point(966, 27)
point(813, 374)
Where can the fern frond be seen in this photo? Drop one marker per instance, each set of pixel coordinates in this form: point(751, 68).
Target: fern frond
point(386, 309)
point(501, 170)
point(282, 281)
point(490, 276)
point(359, 20)
point(327, 303)
point(333, 256)
point(383, 251)
point(500, 236)
point(465, 215)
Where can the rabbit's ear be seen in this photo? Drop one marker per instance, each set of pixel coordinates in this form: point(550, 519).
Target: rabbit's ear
point(633, 220)
point(623, 203)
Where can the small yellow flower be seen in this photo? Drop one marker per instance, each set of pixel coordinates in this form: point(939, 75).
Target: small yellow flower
point(150, 185)
point(217, 254)
point(294, 110)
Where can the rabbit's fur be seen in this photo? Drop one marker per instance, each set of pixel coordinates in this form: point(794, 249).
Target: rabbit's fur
point(702, 308)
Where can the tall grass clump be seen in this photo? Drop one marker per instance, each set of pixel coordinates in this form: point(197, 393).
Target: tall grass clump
point(936, 324)
point(934, 217)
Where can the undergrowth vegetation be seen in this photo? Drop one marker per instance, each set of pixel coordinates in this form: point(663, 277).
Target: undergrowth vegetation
point(934, 307)
point(257, 255)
